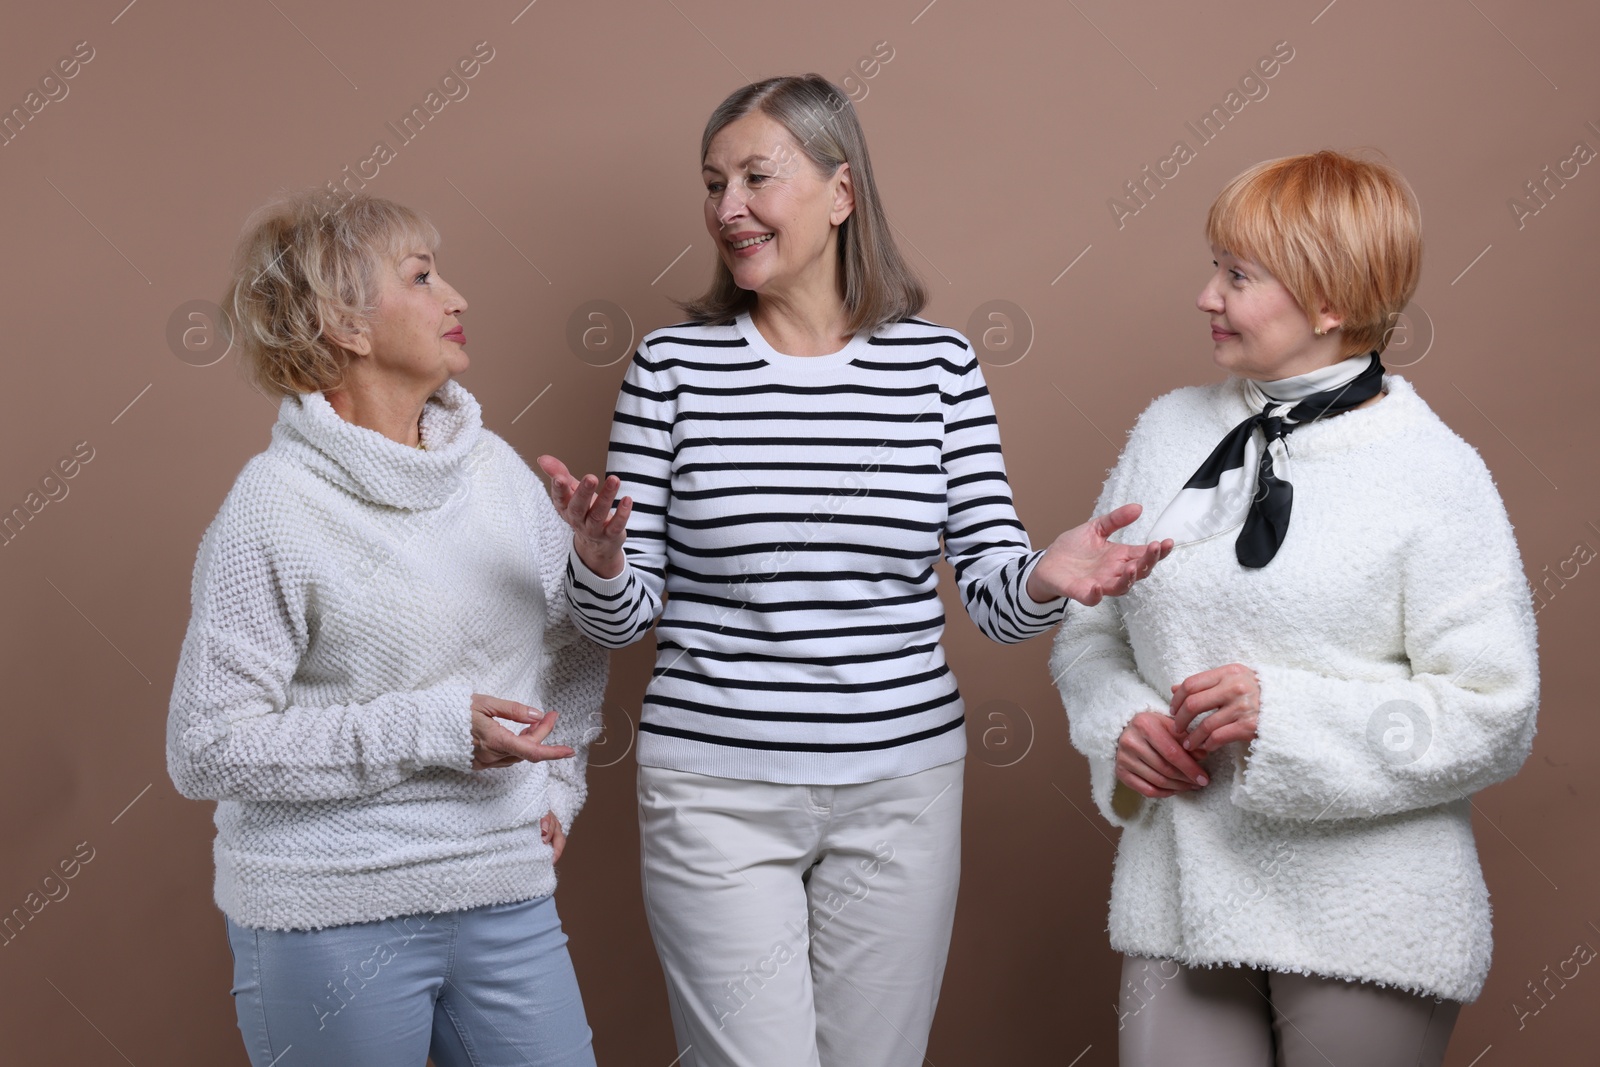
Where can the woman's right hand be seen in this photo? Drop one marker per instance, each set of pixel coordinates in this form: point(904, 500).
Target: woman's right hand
point(585, 504)
point(495, 746)
point(1151, 759)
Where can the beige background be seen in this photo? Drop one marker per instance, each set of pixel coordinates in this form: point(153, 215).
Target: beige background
point(568, 175)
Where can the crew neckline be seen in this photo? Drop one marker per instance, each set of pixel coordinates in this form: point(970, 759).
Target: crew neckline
point(853, 348)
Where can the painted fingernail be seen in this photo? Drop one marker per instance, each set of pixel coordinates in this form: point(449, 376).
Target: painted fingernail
point(1203, 780)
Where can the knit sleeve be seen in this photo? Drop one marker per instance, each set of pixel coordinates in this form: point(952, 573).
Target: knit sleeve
point(1092, 664)
point(983, 539)
point(231, 733)
point(617, 611)
point(575, 668)
point(1330, 747)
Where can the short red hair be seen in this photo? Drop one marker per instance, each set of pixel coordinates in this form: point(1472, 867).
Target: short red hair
point(1334, 230)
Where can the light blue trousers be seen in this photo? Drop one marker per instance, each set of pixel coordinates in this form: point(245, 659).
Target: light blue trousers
point(484, 987)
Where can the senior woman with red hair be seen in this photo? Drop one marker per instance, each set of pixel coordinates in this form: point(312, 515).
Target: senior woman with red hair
point(793, 458)
point(1289, 720)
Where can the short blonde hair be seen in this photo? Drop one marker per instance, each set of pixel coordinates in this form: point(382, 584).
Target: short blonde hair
point(1334, 230)
point(307, 264)
point(879, 286)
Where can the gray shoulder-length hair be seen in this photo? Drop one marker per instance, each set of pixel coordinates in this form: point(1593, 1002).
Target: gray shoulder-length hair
point(879, 287)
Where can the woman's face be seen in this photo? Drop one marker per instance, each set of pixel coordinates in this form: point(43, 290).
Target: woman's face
point(413, 335)
point(1258, 329)
point(773, 216)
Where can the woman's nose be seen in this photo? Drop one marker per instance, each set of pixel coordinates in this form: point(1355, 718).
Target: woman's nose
point(1208, 301)
point(732, 204)
point(453, 300)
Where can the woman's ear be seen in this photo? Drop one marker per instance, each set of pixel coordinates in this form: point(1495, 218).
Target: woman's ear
point(354, 337)
point(1326, 320)
point(844, 195)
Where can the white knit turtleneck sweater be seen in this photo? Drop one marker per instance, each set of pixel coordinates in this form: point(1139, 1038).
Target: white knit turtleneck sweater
point(349, 597)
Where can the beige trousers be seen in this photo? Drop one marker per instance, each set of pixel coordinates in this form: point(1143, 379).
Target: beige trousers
point(1242, 1017)
point(801, 926)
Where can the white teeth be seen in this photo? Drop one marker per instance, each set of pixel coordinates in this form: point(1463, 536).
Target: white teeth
point(753, 241)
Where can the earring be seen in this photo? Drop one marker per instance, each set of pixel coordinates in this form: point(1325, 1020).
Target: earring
point(1317, 330)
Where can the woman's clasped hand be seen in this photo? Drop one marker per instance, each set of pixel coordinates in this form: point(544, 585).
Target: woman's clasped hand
point(1159, 753)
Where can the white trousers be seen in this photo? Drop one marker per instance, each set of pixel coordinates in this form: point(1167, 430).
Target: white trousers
point(801, 926)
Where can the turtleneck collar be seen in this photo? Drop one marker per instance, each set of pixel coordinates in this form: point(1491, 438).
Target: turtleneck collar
point(370, 465)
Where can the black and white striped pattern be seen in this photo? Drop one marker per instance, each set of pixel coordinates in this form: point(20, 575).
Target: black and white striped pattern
point(793, 509)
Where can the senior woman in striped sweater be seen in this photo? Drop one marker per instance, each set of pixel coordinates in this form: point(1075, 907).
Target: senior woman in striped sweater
point(792, 458)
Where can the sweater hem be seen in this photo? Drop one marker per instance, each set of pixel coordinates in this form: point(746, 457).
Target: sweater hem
point(373, 896)
point(1464, 994)
point(799, 768)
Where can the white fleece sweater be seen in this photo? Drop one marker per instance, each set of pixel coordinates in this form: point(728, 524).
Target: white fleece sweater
point(349, 597)
point(1394, 641)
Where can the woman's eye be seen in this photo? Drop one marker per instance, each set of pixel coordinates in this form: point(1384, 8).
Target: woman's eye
point(423, 277)
point(714, 188)
point(1236, 276)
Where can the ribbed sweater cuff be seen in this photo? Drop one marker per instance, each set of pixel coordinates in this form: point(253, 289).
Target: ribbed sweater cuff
point(592, 581)
point(1039, 615)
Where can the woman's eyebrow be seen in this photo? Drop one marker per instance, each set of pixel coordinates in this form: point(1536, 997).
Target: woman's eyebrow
point(745, 162)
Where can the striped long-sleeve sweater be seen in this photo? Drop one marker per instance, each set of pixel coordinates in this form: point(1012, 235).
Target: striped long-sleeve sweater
point(791, 509)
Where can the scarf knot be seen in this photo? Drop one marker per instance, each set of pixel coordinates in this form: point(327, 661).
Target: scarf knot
point(1239, 484)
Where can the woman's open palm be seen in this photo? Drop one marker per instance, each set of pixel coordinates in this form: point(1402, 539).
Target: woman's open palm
point(1086, 565)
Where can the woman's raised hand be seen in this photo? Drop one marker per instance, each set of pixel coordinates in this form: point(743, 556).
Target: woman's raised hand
point(597, 532)
point(1152, 762)
point(1085, 564)
point(495, 746)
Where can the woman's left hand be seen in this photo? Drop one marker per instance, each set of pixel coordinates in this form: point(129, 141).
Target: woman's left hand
point(1232, 694)
point(1086, 565)
point(551, 833)
point(495, 746)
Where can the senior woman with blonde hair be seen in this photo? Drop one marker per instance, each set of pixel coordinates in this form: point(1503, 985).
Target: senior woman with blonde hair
point(793, 458)
point(385, 846)
point(1289, 720)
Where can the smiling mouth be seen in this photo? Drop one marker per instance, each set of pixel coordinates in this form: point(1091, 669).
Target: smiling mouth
point(749, 242)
